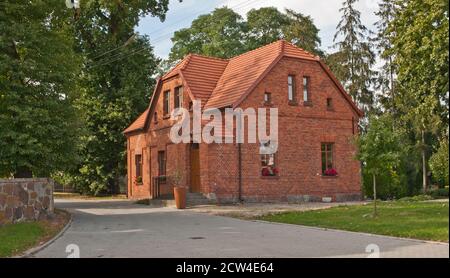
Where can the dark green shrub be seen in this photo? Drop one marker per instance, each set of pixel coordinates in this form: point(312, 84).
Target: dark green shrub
point(439, 193)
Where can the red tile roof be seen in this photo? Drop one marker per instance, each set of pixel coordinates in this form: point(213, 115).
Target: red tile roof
point(139, 123)
point(201, 74)
point(226, 82)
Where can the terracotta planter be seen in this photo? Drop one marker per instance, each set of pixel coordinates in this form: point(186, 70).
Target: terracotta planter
point(180, 196)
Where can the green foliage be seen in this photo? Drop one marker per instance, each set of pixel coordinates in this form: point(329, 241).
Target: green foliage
point(355, 58)
point(216, 34)
point(116, 84)
point(224, 33)
point(439, 193)
point(380, 150)
point(38, 123)
point(421, 44)
point(385, 81)
point(439, 163)
point(417, 198)
point(265, 26)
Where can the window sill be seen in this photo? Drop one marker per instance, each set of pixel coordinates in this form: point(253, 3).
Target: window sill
point(270, 177)
point(307, 103)
point(293, 103)
point(329, 177)
point(166, 117)
point(267, 104)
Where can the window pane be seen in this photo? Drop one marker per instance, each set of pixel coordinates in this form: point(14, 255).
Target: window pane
point(166, 102)
point(138, 162)
point(178, 97)
point(291, 87)
point(162, 163)
point(324, 162)
point(306, 88)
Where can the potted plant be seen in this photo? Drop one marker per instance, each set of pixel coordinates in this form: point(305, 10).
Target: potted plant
point(138, 180)
point(179, 190)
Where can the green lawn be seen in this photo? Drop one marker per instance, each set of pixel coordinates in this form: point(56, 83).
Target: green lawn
point(420, 220)
point(17, 238)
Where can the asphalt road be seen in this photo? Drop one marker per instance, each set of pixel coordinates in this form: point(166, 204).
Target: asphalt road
point(124, 229)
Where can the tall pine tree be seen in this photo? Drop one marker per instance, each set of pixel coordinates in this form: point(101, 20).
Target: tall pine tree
point(354, 58)
point(385, 34)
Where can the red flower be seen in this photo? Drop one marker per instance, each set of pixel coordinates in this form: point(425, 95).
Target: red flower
point(330, 172)
point(269, 171)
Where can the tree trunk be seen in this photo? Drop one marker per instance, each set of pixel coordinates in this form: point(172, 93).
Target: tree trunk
point(424, 164)
point(374, 195)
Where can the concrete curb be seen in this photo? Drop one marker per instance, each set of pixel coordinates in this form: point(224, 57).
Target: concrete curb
point(36, 249)
point(358, 233)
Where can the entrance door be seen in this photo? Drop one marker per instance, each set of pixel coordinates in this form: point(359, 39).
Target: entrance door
point(195, 168)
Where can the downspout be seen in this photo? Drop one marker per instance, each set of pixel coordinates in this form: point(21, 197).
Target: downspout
point(239, 132)
point(239, 173)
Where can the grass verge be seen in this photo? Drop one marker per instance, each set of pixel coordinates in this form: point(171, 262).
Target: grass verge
point(64, 195)
point(19, 237)
point(418, 220)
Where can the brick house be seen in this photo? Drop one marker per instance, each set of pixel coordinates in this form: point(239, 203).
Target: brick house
point(317, 121)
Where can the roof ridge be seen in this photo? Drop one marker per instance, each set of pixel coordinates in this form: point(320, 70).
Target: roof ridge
point(253, 50)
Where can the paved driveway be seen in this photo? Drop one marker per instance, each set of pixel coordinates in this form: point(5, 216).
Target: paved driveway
point(124, 229)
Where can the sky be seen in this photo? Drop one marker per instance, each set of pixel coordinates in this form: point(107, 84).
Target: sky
point(325, 14)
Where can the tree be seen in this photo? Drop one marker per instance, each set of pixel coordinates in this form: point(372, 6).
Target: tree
point(265, 25)
point(223, 33)
point(379, 150)
point(439, 162)
point(38, 125)
point(420, 43)
point(356, 57)
point(387, 76)
point(303, 33)
point(218, 34)
point(116, 85)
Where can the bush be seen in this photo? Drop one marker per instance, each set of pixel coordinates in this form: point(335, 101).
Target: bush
point(416, 198)
point(439, 163)
point(439, 193)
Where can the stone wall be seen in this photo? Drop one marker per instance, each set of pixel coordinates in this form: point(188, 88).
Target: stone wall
point(25, 199)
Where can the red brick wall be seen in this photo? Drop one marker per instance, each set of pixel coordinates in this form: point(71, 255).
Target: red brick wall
point(301, 131)
point(154, 140)
point(137, 144)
